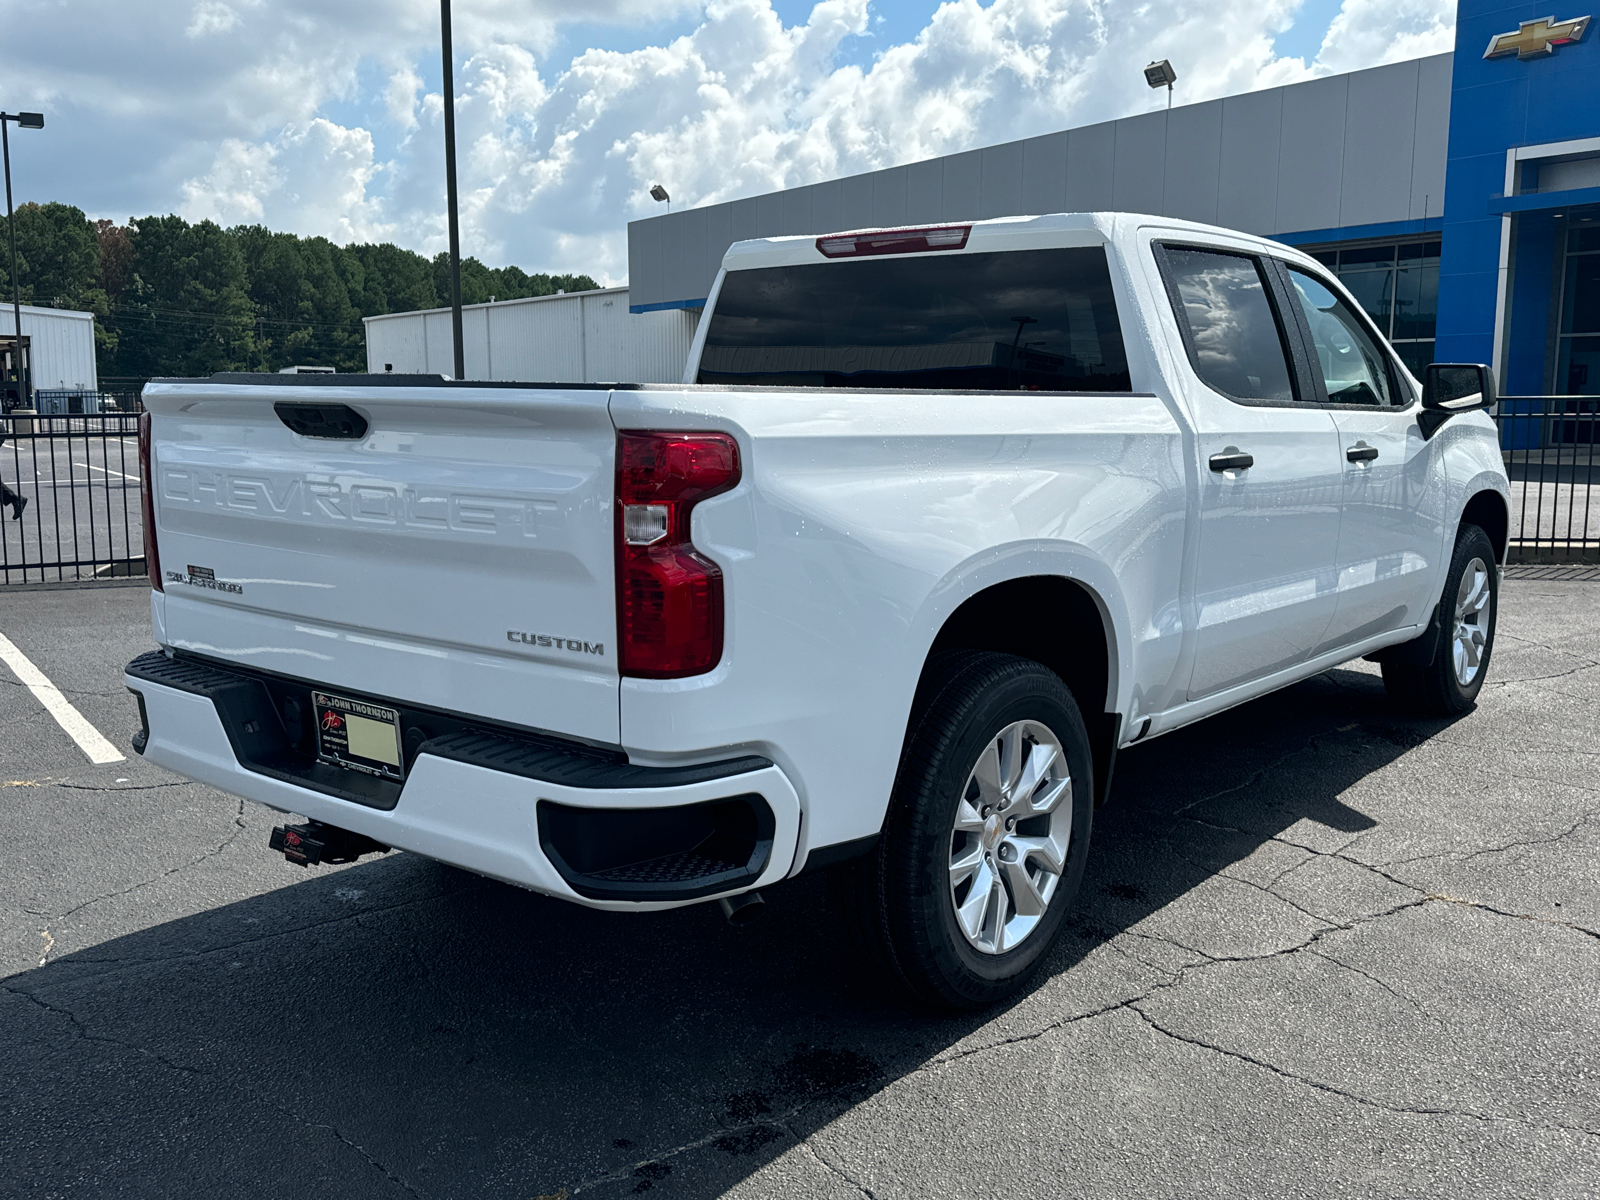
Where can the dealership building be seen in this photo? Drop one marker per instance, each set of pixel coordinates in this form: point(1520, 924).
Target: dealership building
point(1457, 196)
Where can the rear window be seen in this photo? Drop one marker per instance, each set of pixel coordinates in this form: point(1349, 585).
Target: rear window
point(1037, 320)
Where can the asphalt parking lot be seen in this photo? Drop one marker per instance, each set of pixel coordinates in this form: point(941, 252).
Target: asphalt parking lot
point(1322, 949)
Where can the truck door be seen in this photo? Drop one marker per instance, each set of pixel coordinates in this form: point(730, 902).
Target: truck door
point(1390, 533)
point(1264, 588)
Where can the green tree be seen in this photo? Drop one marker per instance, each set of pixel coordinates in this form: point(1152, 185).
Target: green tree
point(480, 284)
point(58, 258)
point(173, 298)
point(188, 309)
point(396, 280)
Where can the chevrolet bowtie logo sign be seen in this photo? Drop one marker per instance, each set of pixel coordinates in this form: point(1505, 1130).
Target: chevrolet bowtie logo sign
point(1535, 39)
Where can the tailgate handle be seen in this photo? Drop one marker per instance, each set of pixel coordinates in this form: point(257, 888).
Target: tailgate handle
point(322, 420)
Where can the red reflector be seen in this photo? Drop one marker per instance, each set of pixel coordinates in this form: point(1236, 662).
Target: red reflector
point(894, 241)
point(669, 595)
point(147, 505)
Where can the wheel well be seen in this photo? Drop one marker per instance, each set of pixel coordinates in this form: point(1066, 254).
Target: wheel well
point(1487, 510)
point(1057, 623)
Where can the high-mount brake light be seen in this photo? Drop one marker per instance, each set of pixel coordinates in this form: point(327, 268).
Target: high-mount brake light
point(147, 505)
point(894, 241)
point(669, 595)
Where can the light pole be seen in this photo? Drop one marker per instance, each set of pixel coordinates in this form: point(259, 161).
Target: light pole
point(450, 189)
point(24, 121)
point(659, 193)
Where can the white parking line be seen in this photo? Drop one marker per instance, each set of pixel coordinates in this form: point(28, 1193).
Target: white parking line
point(90, 740)
point(104, 471)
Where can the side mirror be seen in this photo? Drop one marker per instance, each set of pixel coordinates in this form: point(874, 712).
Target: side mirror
point(1457, 387)
point(1449, 389)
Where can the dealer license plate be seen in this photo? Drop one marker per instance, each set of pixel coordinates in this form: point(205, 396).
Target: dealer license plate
point(358, 735)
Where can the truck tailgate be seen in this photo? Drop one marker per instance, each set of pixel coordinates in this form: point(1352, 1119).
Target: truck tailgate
point(457, 555)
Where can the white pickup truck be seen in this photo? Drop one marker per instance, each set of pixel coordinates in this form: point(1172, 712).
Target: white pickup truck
point(939, 520)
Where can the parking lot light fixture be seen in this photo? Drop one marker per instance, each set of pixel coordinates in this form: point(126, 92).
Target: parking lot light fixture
point(1161, 74)
point(25, 120)
point(659, 193)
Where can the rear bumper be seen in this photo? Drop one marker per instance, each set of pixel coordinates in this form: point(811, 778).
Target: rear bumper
point(478, 802)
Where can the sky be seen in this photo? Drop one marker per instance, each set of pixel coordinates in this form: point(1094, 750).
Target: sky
point(325, 116)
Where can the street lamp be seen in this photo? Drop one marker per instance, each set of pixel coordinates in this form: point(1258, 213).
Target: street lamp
point(1161, 74)
point(24, 121)
point(659, 193)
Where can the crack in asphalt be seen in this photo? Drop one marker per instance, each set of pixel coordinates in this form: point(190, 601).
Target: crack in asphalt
point(1466, 855)
point(12, 681)
point(1395, 992)
point(829, 1165)
point(239, 827)
point(1300, 908)
point(1584, 664)
point(82, 1033)
point(137, 787)
point(1355, 1097)
point(633, 1170)
point(120, 964)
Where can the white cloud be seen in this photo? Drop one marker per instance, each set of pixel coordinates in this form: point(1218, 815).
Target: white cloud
point(1367, 33)
point(310, 179)
point(313, 117)
point(400, 98)
point(212, 16)
point(743, 105)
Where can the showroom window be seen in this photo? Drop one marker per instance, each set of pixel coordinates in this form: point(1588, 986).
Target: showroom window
point(1398, 284)
point(1578, 351)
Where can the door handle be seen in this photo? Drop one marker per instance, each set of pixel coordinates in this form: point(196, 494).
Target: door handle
point(1361, 453)
point(1231, 459)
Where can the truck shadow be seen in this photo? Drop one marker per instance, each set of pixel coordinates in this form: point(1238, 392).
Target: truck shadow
point(399, 1027)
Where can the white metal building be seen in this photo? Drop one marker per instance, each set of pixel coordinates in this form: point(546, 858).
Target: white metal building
point(60, 348)
point(580, 337)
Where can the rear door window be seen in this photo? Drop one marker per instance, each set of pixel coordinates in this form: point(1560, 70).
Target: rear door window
point(1036, 320)
point(1233, 335)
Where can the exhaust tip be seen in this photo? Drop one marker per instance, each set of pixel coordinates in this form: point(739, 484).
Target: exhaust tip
point(741, 910)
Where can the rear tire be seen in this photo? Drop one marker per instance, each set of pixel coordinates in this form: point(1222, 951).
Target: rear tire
point(984, 845)
point(1450, 683)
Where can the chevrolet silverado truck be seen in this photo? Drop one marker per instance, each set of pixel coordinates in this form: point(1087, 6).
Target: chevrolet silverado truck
point(939, 519)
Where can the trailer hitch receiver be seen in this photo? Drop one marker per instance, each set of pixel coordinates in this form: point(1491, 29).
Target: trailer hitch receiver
point(315, 842)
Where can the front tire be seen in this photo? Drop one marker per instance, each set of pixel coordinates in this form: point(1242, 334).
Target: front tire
point(1449, 684)
point(984, 845)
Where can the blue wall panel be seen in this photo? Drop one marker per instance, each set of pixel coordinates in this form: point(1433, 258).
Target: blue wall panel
point(1497, 105)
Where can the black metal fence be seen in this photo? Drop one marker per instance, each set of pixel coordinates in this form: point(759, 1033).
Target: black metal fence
point(79, 479)
point(1549, 446)
point(79, 476)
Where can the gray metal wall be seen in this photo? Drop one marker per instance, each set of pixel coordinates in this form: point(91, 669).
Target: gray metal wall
point(1366, 148)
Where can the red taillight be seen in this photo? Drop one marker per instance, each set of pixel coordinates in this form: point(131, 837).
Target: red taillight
point(894, 241)
point(669, 595)
point(147, 504)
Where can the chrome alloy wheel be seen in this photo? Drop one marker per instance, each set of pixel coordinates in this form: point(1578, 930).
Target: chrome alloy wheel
point(1009, 844)
point(1474, 611)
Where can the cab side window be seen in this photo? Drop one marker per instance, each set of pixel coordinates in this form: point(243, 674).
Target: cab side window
point(1353, 365)
point(1233, 336)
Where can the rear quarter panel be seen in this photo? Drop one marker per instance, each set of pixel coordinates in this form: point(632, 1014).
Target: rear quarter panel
point(862, 521)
